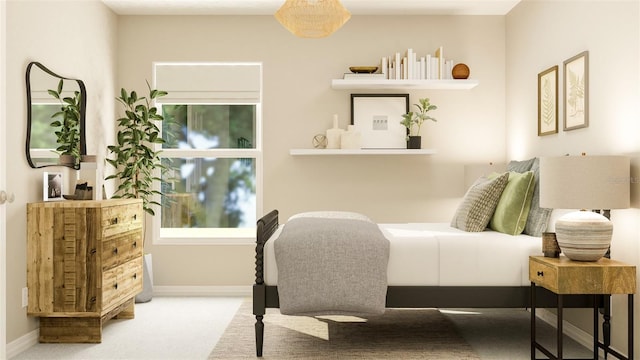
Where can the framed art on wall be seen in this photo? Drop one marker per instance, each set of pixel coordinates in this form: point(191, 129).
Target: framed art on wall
point(576, 92)
point(52, 186)
point(548, 101)
point(378, 117)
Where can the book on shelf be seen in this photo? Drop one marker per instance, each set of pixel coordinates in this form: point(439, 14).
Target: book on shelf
point(410, 65)
point(440, 57)
point(397, 66)
point(384, 67)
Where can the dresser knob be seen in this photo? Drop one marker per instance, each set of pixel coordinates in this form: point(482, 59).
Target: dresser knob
point(135, 276)
point(540, 273)
point(135, 216)
point(114, 221)
point(135, 244)
point(115, 286)
point(115, 251)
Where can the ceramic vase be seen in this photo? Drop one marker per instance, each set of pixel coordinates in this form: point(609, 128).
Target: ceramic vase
point(584, 235)
point(334, 134)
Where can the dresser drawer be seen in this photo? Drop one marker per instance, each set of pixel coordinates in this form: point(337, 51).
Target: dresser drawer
point(543, 275)
point(119, 219)
point(121, 283)
point(119, 249)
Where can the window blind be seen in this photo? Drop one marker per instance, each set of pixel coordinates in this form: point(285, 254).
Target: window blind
point(218, 83)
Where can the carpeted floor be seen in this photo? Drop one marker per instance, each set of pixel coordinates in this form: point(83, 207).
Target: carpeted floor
point(398, 334)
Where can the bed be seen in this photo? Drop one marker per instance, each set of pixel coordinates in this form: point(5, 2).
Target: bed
point(430, 265)
point(462, 264)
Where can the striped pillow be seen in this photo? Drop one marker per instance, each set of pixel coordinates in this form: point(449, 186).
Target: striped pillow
point(479, 203)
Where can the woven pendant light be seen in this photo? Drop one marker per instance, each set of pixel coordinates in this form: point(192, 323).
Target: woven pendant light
point(312, 18)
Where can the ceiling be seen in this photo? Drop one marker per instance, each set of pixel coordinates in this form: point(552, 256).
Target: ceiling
point(269, 7)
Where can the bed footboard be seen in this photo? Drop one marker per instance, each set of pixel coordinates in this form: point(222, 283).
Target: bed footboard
point(266, 226)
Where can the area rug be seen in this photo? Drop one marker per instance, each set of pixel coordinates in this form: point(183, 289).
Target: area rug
point(398, 334)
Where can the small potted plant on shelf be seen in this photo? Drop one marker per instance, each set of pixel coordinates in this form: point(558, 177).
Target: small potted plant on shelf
point(413, 122)
point(67, 124)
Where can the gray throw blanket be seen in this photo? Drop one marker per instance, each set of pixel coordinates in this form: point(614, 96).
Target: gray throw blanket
point(331, 265)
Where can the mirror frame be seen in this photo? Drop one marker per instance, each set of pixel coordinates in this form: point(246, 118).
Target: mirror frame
point(83, 110)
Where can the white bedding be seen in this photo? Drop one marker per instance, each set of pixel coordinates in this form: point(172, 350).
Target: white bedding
point(435, 254)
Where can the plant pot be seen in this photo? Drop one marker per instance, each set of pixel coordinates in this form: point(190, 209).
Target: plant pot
point(414, 142)
point(147, 280)
point(67, 160)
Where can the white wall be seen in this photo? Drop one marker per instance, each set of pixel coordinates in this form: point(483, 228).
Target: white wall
point(541, 34)
point(74, 39)
point(299, 103)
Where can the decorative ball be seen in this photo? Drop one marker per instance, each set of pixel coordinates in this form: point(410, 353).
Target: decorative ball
point(320, 141)
point(460, 71)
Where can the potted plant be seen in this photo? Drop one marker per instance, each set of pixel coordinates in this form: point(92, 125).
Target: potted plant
point(67, 124)
point(413, 122)
point(137, 162)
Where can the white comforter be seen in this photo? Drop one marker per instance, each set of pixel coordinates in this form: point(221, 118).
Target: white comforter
point(435, 254)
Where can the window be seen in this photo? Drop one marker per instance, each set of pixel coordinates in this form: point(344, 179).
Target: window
point(43, 141)
point(212, 134)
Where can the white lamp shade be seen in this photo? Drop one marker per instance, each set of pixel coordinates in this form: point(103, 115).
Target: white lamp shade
point(585, 182)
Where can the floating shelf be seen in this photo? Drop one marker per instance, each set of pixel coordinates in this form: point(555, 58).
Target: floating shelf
point(303, 152)
point(381, 84)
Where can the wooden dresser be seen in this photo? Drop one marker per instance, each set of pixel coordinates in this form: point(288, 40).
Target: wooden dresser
point(84, 265)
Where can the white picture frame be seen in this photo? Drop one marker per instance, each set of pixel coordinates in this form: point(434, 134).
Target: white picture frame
point(52, 186)
point(377, 117)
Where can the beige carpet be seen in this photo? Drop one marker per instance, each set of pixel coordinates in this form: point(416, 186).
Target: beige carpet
point(398, 334)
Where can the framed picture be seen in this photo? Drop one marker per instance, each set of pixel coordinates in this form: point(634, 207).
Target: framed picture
point(548, 101)
point(378, 117)
point(576, 92)
point(52, 186)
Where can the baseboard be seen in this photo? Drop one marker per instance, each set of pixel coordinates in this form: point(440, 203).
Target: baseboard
point(240, 291)
point(580, 336)
point(22, 343)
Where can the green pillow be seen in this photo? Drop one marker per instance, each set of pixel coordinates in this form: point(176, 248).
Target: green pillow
point(510, 216)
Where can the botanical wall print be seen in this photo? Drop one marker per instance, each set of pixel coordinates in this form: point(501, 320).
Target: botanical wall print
point(548, 101)
point(576, 92)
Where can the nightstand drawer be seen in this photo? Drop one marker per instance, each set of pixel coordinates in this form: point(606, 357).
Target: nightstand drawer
point(543, 275)
point(564, 276)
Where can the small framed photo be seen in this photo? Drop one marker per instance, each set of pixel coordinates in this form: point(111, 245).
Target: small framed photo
point(378, 117)
point(52, 186)
point(548, 101)
point(576, 92)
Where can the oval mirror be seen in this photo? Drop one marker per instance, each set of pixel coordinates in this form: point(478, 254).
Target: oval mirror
point(56, 108)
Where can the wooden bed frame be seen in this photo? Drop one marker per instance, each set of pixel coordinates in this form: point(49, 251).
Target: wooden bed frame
point(266, 296)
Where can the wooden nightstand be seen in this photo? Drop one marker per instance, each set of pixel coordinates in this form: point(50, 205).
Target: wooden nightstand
point(564, 276)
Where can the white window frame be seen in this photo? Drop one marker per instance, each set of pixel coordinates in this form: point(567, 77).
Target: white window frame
point(213, 236)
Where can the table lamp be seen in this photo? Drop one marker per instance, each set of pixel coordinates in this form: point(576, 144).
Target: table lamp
point(585, 183)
